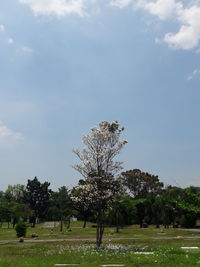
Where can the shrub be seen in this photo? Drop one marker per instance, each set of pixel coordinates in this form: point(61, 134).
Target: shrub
point(21, 229)
point(188, 220)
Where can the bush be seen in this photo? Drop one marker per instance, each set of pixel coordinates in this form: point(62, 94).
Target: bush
point(21, 229)
point(188, 220)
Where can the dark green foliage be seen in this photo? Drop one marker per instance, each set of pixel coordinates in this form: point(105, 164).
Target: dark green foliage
point(123, 212)
point(141, 205)
point(172, 206)
point(188, 220)
point(21, 229)
point(60, 206)
point(37, 196)
point(141, 184)
point(5, 211)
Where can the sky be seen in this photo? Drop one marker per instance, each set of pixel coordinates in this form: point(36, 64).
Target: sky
point(65, 65)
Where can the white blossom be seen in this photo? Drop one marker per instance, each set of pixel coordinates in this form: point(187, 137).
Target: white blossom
point(101, 146)
point(98, 167)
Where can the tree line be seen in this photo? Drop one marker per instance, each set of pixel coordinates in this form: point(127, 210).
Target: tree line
point(105, 195)
point(144, 201)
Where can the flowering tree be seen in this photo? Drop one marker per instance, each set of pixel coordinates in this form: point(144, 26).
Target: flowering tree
point(98, 168)
point(80, 196)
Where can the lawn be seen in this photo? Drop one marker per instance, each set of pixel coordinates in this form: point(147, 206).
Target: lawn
point(131, 247)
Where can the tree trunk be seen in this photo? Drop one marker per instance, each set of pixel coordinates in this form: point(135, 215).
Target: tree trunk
point(33, 223)
point(69, 223)
point(99, 232)
point(97, 235)
point(84, 224)
point(61, 224)
point(14, 222)
point(117, 229)
point(117, 222)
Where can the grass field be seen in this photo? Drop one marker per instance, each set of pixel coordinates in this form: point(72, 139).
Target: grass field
point(131, 247)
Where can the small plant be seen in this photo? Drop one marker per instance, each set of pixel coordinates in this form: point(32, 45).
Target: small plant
point(21, 229)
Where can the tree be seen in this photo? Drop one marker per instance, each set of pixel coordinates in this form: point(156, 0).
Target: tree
point(5, 212)
point(37, 195)
point(15, 193)
point(141, 205)
point(98, 168)
point(122, 212)
point(61, 205)
point(140, 184)
point(81, 204)
point(18, 212)
point(2, 196)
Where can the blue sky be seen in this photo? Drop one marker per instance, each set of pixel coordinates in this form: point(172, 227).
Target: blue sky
point(66, 65)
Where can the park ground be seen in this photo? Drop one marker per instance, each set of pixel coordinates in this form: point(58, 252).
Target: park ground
point(131, 247)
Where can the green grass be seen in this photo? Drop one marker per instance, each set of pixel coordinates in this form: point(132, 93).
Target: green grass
point(166, 252)
point(89, 232)
point(23, 255)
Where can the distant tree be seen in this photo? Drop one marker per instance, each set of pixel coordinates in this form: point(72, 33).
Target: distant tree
point(37, 195)
point(5, 212)
point(176, 206)
point(157, 205)
point(171, 197)
point(189, 207)
point(98, 168)
point(15, 193)
point(2, 196)
point(61, 205)
point(80, 203)
point(141, 206)
point(122, 212)
point(19, 211)
point(141, 184)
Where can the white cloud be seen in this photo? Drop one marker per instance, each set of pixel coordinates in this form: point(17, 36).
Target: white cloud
point(163, 9)
point(121, 3)
point(58, 7)
point(6, 134)
point(187, 17)
point(194, 73)
point(188, 36)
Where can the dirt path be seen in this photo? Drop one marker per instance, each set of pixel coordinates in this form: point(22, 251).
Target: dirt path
point(93, 239)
